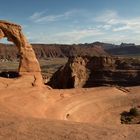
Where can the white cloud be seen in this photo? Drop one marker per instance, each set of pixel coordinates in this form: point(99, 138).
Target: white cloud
point(78, 35)
point(108, 26)
point(122, 28)
point(109, 17)
point(42, 17)
point(105, 27)
point(118, 23)
point(117, 39)
point(67, 37)
point(36, 15)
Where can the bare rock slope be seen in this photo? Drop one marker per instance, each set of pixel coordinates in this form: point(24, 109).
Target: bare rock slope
point(28, 112)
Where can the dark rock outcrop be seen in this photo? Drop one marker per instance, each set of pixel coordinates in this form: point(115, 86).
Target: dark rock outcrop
point(97, 71)
point(133, 50)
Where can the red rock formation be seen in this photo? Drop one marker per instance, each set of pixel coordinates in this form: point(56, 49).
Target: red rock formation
point(43, 51)
point(28, 62)
point(93, 71)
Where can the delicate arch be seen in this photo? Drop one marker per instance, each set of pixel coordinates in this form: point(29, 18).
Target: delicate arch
point(28, 62)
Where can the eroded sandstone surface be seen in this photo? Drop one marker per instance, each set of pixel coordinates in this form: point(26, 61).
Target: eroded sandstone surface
point(28, 63)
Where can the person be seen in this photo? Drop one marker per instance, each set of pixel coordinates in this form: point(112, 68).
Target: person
point(67, 115)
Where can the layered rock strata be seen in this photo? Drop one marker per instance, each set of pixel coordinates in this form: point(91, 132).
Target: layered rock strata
point(97, 71)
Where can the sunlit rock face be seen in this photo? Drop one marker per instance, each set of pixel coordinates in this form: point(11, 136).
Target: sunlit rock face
point(29, 65)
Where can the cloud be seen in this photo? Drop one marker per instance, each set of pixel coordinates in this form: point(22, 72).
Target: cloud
point(78, 35)
point(122, 28)
point(42, 17)
point(74, 36)
point(37, 15)
point(107, 26)
point(117, 38)
point(109, 17)
point(118, 23)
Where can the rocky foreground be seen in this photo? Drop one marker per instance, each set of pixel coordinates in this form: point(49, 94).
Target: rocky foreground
point(42, 113)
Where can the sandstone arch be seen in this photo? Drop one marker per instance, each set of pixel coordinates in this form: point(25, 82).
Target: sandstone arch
point(28, 65)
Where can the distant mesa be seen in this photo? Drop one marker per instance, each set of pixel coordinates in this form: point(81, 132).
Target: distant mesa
point(44, 51)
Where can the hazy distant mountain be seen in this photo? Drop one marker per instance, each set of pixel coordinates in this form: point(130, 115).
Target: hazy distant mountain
point(126, 49)
point(133, 50)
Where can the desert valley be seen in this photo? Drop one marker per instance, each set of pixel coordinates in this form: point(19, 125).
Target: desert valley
point(68, 92)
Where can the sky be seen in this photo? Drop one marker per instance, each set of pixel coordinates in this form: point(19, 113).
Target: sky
point(75, 21)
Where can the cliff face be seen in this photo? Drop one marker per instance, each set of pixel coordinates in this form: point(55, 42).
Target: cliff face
point(73, 74)
point(95, 71)
point(43, 51)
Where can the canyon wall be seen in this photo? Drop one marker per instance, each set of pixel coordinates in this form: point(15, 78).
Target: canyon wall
point(97, 71)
